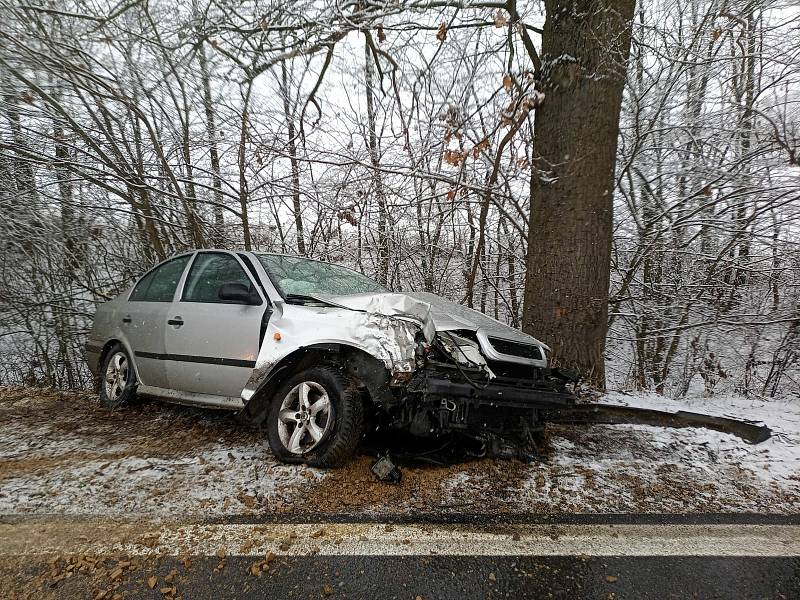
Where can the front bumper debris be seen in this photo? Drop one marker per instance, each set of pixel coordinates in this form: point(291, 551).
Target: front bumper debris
point(505, 417)
point(608, 414)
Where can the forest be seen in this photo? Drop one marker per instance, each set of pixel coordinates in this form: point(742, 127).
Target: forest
point(619, 178)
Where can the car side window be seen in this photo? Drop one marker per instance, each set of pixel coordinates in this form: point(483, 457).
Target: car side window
point(159, 285)
point(209, 271)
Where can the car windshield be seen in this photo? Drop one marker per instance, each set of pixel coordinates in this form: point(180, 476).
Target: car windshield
point(304, 277)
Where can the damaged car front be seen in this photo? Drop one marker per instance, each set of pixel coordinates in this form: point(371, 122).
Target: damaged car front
point(424, 366)
point(473, 377)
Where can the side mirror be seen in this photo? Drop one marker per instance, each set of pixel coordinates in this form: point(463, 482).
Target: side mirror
point(238, 293)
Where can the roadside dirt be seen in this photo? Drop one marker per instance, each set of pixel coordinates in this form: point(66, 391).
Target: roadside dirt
point(422, 488)
point(62, 454)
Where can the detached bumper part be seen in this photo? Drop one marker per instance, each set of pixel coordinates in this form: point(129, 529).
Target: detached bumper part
point(609, 414)
point(385, 470)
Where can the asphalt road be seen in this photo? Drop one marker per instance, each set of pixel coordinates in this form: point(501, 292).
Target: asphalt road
point(574, 556)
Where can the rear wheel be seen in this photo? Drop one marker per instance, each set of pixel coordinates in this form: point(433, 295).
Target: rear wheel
point(316, 417)
point(118, 378)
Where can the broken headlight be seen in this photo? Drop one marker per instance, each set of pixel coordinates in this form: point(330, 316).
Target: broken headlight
point(463, 351)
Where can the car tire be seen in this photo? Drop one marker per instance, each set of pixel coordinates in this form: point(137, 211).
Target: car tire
point(297, 434)
point(117, 378)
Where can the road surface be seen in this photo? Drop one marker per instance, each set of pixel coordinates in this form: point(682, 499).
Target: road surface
point(473, 556)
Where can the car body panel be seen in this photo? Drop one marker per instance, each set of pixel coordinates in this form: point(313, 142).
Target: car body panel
point(144, 334)
point(293, 327)
point(214, 350)
point(439, 314)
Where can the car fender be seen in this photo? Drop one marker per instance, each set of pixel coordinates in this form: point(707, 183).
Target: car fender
point(391, 341)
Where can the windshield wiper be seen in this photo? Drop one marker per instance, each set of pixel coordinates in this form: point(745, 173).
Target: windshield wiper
point(304, 299)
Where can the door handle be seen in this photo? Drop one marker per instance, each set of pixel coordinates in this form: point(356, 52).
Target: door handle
point(126, 319)
point(177, 322)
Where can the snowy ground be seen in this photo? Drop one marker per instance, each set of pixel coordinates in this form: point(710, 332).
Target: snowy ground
point(61, 454)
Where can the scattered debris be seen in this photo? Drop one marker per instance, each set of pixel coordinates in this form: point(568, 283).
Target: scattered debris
point(385, 470)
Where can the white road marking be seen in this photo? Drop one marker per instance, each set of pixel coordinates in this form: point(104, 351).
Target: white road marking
point(362, 539)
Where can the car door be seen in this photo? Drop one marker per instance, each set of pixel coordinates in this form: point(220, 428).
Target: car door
point(143, 319)
point(212, 344)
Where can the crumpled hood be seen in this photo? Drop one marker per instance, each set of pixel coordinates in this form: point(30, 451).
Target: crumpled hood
point(433, 312)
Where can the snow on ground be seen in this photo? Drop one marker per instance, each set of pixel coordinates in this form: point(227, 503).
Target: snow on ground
point(63, 454)
point(624, 468)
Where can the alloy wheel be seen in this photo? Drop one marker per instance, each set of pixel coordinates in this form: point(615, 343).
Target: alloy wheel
point(116, 376)
point(305, 417)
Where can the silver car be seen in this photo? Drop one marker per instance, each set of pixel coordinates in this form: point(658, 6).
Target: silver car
point(312, 352)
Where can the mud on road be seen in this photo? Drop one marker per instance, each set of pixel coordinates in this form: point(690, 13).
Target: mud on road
point(62, 454)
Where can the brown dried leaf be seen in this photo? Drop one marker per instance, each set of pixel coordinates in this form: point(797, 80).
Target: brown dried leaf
point(507, 82)
point(249, 500)
point(480, 147)
point(441, 34)
point(264, 24)
point(500, 19)
point(152, 581)
point(381, 34)
point(453, 157)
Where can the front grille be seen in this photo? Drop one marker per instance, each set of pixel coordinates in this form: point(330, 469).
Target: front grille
point(516, 348)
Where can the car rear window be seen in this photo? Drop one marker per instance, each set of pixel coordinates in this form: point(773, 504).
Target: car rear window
point(159, 285)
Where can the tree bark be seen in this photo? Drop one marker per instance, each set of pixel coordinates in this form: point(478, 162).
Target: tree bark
point(218, 230)
point(244, 192)
point(292, 147)
point(585, 47)
point(373, 144)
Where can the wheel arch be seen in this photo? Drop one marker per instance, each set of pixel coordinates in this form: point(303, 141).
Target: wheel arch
point(107, 348)
point(362, 367)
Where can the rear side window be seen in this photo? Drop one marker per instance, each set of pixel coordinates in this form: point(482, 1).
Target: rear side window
point(159, 285)
point(209, 271)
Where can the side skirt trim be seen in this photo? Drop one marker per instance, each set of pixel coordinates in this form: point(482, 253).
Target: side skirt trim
point(191, 398)
point(207, 360)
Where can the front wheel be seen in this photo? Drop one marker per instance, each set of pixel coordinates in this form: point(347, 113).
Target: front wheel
point(316, 417)
point(118, 383)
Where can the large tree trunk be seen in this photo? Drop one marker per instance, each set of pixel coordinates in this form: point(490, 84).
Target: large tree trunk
point(585, 46)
